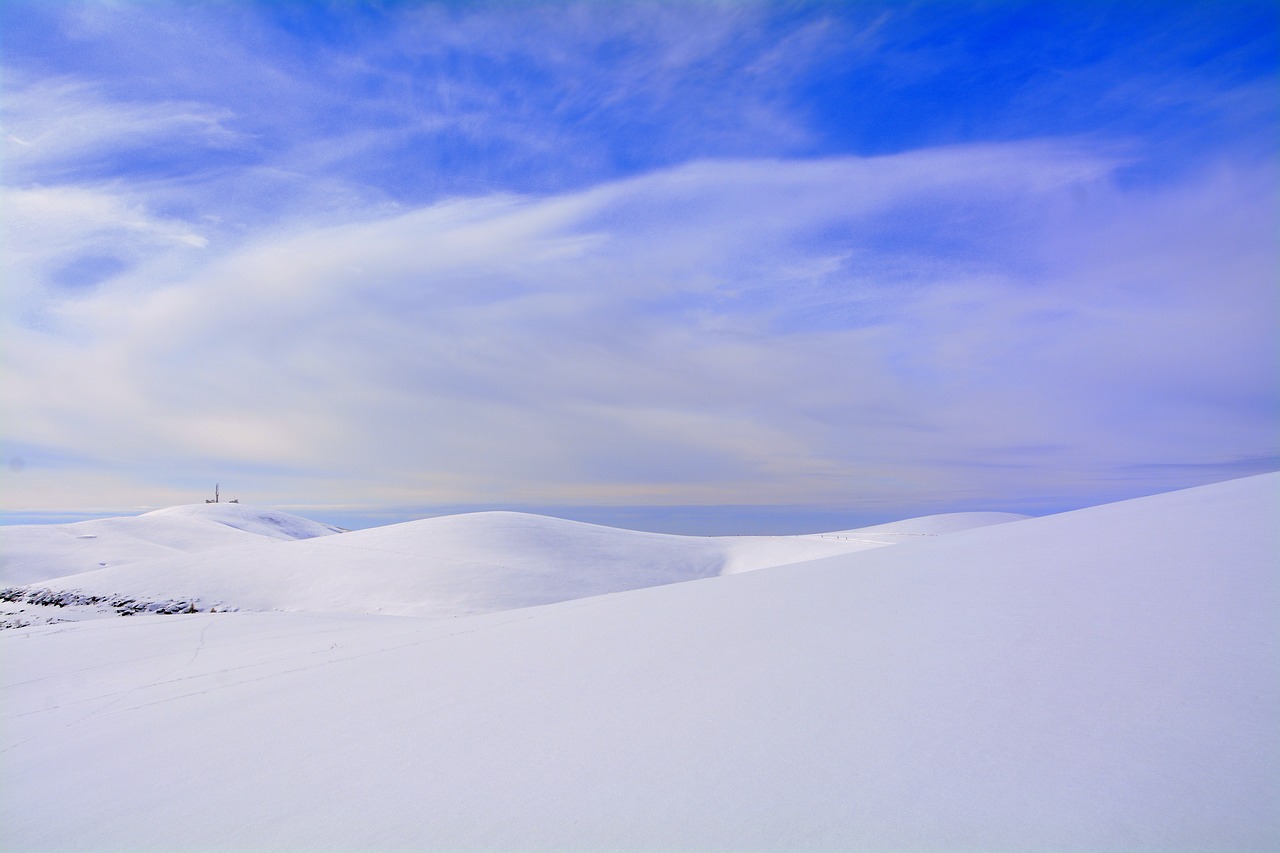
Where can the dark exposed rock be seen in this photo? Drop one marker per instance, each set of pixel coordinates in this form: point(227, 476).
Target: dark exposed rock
point(123, 605)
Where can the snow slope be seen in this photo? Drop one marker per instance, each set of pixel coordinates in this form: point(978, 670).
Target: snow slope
point(34, 552)
point(927, 525)
point(461, 564)
point(1107, 679)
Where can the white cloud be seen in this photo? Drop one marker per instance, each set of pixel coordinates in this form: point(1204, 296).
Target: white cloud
point(731, 332)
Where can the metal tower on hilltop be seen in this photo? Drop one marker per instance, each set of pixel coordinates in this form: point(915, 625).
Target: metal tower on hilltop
point(217, 497)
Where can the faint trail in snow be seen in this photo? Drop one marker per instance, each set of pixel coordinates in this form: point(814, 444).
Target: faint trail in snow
point(122, 695)
point(162, 680)
point(18, 744)
point(140, 624)
point(199, 648)
point(119, 696)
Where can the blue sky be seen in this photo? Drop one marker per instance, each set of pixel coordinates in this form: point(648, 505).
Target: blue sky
point(708, 267)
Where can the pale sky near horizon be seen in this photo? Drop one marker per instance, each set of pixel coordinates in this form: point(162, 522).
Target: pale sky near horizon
point(792, 260)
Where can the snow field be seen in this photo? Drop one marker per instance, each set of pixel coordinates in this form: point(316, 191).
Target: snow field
point(1104, 679)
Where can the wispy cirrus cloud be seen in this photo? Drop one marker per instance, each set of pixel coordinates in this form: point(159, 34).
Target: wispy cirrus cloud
point(63, 130)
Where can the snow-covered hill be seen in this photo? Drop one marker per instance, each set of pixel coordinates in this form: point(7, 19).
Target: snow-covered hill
point(1099, 680)
point(462, 564)
point(272, 523)
point(35, 552)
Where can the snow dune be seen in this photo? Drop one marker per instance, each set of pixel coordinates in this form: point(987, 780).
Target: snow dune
point(35, 552)
point(465, 564)
point(1107, 679)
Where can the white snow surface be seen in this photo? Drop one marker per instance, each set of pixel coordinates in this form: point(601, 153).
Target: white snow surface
point(30, 553)
point(464, 564)
point(1107, 679)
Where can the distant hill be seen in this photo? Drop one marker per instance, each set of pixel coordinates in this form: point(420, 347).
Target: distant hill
point(34, 552)
point(446, 566)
